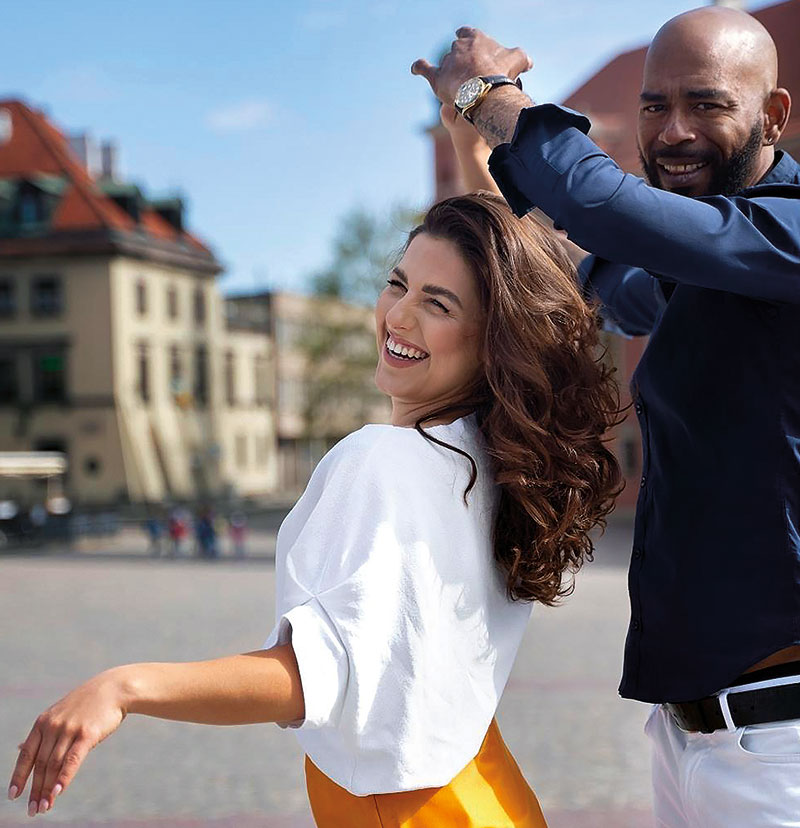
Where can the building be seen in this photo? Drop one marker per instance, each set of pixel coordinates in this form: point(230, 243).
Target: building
point(325, 357)
point(114, 345)
point(610, 98)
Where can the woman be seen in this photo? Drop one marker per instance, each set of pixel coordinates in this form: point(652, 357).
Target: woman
point(406, 571)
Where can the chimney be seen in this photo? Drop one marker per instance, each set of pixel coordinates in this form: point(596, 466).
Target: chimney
point(6, 126)
point(108, 160)
point(84, 146)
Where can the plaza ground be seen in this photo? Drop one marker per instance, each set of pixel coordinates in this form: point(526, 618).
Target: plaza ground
point(65, 616)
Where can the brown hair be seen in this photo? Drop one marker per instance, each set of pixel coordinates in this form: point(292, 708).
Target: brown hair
point(545, 400)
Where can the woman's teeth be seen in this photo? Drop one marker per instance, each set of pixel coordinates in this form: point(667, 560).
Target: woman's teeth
point(403, 350)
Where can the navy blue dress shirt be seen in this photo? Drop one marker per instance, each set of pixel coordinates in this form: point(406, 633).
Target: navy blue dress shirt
point(715, 573)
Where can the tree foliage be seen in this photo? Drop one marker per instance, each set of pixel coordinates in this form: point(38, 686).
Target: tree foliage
point(340, 348)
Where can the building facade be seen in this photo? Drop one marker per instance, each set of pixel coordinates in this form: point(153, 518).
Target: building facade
point(325, 357)
point(114, 346)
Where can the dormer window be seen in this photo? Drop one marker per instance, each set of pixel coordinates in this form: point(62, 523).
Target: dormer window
point(30, 208)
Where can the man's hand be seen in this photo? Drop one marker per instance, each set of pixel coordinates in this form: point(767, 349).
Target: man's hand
point(472, 53)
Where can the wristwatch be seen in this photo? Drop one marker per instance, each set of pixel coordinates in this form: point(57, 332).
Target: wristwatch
point(474, 90)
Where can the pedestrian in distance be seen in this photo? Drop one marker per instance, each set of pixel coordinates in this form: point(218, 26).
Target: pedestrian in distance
point(406, 572)
point(237, 529)
point(178, 528)
point(155, 534)
point(705, 260)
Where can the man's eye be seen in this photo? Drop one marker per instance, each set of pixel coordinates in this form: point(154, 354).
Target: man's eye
point(653, 108)
point(395, 283)
point(707, 107)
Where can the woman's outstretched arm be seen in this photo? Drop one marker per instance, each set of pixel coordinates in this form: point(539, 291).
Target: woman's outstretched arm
point(262, 686)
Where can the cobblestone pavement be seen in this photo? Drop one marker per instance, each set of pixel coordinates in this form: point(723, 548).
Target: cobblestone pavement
point(65, 617)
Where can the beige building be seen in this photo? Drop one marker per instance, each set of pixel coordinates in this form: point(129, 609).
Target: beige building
point(114, 344)
point(325, 358)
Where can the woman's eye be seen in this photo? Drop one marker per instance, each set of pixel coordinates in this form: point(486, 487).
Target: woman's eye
point(439, 305)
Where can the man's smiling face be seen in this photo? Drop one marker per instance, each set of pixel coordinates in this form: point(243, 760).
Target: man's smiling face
point(703, 109)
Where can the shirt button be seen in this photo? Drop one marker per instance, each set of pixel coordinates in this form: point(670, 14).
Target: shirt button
point(636, 625)
point(643, 481)
point(639, 408)
point(637, 553)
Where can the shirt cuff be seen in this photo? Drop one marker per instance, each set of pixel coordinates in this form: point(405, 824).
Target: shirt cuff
point(321, 660)
point(508, 163)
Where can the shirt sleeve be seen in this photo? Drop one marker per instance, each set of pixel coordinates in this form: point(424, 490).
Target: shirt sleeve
point(357, 592)
point(632, 301)
point(748, 246)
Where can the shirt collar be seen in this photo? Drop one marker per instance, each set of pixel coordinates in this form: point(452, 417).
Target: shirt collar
point(785, 171)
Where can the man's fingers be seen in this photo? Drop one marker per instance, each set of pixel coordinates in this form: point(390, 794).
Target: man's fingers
point(427, 70)
point(22, 770)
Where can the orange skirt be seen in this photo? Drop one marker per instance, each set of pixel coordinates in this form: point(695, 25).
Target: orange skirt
point(490, 792)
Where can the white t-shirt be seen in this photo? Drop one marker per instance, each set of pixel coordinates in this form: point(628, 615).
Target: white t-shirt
point(397, 612)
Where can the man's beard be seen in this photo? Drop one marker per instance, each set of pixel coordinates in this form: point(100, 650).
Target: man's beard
point(727, 178)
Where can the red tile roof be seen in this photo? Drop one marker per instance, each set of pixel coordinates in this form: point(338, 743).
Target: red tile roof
point(36, 147)
point(610, 97)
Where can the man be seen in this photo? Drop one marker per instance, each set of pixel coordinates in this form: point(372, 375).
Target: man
point(707, 261)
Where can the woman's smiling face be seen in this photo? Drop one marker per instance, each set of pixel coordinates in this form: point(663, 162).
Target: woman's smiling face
point(429, 325)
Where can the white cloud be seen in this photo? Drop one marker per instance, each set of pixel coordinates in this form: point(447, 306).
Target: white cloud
point(243, 116)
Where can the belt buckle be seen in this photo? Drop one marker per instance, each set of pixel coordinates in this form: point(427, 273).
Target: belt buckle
point(722, 699)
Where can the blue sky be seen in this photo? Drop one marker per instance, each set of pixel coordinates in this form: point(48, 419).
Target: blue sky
point(276, 118)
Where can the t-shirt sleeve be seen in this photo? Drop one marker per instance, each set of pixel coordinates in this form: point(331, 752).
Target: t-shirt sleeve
point(357, 586)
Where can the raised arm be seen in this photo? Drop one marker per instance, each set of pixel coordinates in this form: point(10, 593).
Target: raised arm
point(262, 686)
point(472, 151)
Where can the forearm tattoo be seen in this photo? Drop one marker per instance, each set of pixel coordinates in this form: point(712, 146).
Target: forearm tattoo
point(496, 116)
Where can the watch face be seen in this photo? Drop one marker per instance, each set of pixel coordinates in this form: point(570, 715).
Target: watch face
point(469, 91)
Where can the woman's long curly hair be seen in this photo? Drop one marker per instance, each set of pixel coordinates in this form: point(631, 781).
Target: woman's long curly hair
point(545, 400)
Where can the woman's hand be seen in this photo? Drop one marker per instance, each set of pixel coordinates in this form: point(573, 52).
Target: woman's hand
point(61, 738)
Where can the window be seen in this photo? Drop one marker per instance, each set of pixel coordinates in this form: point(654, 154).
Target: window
point(201, 375)
point(172, 302)
point(241, 450)
point(141, 297)
point(230, 379)
point(199, 306)
point(47, 296)
point(175, 370)
point(92, 466)
point(261, 380)
point(8, 296)
point(143, 373)
point(629, 456)
point(30, 208)
point(49, 376)
point(9, 379)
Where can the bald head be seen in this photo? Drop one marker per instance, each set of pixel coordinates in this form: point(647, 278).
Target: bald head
point(731, 40)
point(710, 109)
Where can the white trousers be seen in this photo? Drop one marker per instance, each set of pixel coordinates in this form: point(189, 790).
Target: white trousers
point(743, 778)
